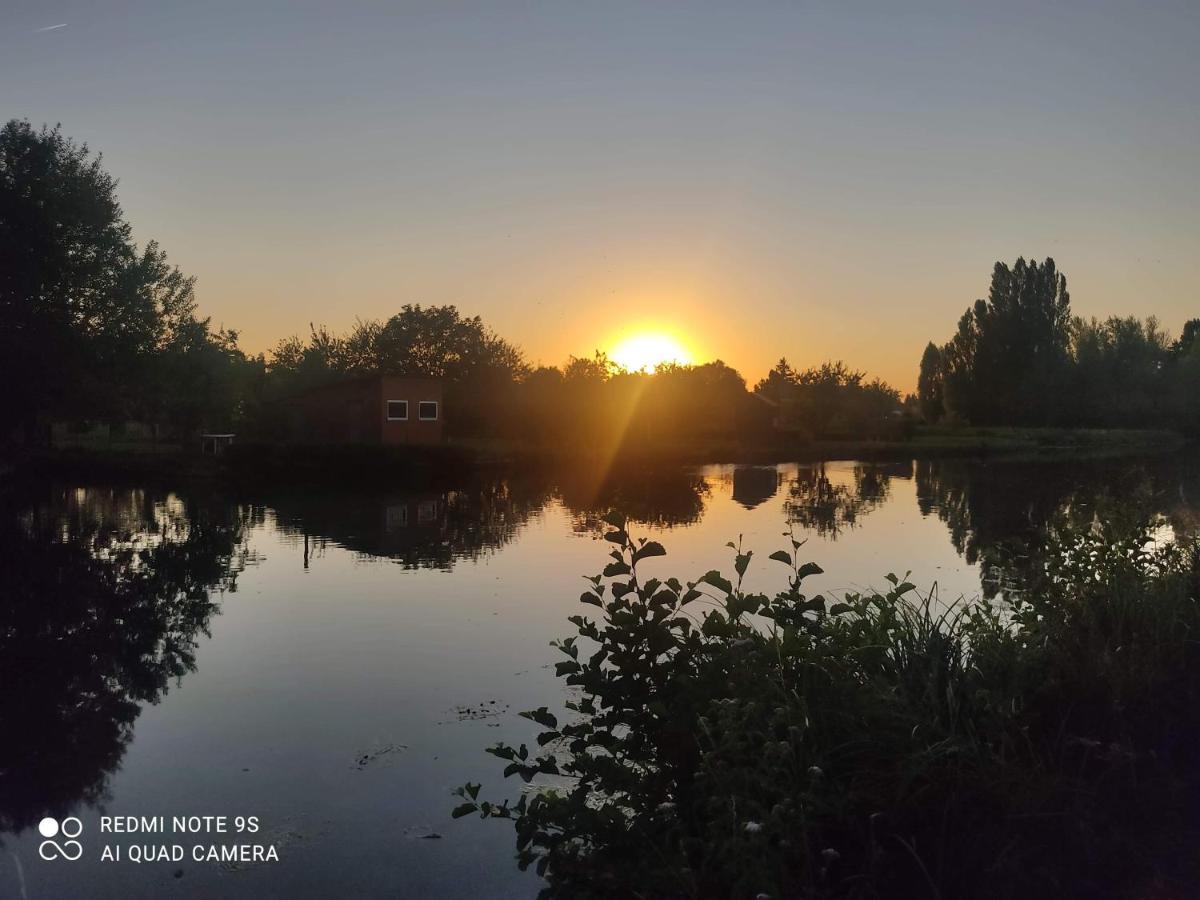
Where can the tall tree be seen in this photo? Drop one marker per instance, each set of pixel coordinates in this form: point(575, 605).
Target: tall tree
point(930, 384)
point(1188, 338)
point(1006, 363)
point(81, 308)
point(439, 341)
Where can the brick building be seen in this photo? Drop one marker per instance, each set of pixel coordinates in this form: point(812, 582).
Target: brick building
point(379, 409)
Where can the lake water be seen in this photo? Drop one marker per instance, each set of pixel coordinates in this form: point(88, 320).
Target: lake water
point(334, 663)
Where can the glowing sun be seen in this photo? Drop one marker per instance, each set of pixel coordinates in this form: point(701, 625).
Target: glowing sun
point(646, 352)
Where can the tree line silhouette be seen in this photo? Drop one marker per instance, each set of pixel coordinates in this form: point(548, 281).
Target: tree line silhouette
point(91, 327)
point(1021, 358)
point(97, 330)
point(94, 329)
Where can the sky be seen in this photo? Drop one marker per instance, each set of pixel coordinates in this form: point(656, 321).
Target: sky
point(756, 180)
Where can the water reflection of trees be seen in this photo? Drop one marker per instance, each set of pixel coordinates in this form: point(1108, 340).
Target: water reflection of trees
point(997, 513)
point(429, 528)
point(104, 594)
point(1002, 516)
point(436, 527)
point(660, 498)
point(830, 505)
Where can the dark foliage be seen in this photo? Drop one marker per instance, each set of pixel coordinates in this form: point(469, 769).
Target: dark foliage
point(91, 327)
point(720, 743)
point(102, 609)
point(830, 400)
point(1020, 358)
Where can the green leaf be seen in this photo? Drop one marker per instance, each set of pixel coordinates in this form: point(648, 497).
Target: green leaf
point(615, 519)
point(463, 809)
point(542, 716)
point(809, 568)
point(715, 625)
point(717, 580)
point(782, 556)
point(650, 548)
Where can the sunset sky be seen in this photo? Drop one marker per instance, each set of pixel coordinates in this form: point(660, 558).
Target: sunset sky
point(752, 179)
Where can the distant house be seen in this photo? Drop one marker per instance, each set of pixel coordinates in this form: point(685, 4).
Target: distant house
point(378, 409)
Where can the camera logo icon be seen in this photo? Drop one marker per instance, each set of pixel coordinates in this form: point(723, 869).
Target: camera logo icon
point(70, 849)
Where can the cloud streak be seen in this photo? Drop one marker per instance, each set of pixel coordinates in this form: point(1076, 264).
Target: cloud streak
point(49, 28)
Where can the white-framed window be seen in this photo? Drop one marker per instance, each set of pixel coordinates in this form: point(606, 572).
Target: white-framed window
point(397, 410)
point(396, 516)
point(427, 410)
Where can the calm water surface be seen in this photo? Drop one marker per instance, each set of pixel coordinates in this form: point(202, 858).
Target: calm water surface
point(334, 663)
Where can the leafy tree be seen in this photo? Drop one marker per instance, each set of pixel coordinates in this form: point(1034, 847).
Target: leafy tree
point(1005, 364)
point(480, 367)
point(202, 379)
point(356, 351)
point(778, 381)
point(930, 385)
point(829, 399)
point(84, 313)
point(438, 341)
point(598, 368)
point(302, 365)
point(1121, 370)
point(1188, 339)
point(724, 743)
point(1185, 379)
point(1019, 358)
point(687, 401)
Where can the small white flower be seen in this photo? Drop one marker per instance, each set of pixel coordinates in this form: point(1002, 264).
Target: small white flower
point(752, 827)
point(815, 771)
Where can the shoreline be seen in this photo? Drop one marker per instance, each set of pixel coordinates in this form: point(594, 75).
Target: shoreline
point(251, 464)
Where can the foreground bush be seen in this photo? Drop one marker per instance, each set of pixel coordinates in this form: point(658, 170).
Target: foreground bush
point(721, 743)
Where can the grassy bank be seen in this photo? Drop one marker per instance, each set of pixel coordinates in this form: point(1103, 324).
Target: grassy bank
point(1000, 440)
point(720, 743)
point(255, 463)
point(925, 442)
